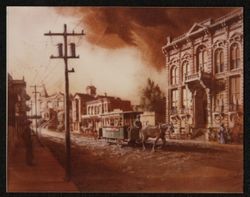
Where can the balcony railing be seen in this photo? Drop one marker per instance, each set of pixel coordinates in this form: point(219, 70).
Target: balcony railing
point(186, 110)
point(219, 109)
point(197, 76)
point(191, 77)
point(234, 107)
point(173, 111)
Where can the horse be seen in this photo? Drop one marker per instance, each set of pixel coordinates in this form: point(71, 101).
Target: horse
point(155, 132)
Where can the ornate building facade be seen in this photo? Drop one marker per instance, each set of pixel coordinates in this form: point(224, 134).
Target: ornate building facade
point(205, 71)
point(17, 112)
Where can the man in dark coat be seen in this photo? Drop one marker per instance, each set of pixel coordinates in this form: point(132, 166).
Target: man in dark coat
point(133, 133)
point(27, 138)
point(137, 123)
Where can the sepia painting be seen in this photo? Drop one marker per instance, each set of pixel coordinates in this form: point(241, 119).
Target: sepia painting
point(125, 99)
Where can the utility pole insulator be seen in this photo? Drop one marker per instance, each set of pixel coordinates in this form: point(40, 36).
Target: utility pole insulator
point(72, 70)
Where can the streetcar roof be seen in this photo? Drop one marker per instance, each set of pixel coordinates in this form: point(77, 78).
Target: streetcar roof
point(120, 113)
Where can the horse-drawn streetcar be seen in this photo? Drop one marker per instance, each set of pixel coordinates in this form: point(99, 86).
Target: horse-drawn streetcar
point(116, 125)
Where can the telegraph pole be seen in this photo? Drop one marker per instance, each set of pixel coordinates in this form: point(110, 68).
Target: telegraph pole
point(30, 107)
point(35, 92)
point(65, 57)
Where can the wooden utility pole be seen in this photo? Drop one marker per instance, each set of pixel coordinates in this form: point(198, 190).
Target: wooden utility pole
point(30, 107)
point(35, 92)
point(63, 54)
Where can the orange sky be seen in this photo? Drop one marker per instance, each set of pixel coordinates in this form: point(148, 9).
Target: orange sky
point(121, 50)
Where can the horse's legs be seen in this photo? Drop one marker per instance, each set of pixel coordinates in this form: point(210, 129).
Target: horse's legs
point(153, 149)
point(164, 141)
point(143, 142)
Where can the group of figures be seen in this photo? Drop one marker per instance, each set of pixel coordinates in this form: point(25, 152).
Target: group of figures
point(140, 134)
point(225, 135)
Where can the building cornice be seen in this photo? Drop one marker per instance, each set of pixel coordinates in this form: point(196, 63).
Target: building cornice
point(202, 29)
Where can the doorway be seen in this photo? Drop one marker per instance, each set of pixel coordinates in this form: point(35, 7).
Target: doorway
point(200, 109)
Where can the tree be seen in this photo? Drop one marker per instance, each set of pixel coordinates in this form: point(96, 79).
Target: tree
point(152, 98)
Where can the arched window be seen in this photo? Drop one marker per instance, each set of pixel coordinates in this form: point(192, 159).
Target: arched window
point(185, 70)
point(234, 56)
point(219, 61)
point(174, 75)
point(201, 58)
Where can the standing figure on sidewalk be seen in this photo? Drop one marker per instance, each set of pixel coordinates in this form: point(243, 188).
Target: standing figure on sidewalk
point(27, 138)
point(222, 134)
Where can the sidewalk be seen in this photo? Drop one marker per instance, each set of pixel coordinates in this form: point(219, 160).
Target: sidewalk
point(204, 144)
point(47, 175)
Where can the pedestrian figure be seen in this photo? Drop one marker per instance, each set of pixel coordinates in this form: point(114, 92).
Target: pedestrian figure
point(137, 123)
point(27, 138)
point(135, 130)
point(171, 127)
point(228, 138)
point(222, 134)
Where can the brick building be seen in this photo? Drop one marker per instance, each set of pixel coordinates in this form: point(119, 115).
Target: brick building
point(205, 71)
point(101, 105)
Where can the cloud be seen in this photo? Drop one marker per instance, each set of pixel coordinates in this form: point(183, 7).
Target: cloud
point(121, 50)
point(145, 28)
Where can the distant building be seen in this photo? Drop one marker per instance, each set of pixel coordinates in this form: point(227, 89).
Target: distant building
point(148, 118)
point(53, 102)
point(87, 107)
point(153, 117)
point(101, 105)
point(205, 71)
point(52, 109)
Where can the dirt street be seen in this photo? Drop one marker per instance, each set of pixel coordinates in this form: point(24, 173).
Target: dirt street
point(101, 167)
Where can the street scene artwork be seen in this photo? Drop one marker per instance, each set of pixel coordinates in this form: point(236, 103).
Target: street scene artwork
point(125, 99)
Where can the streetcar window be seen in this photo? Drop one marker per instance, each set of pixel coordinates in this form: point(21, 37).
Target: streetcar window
point(112, 122)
